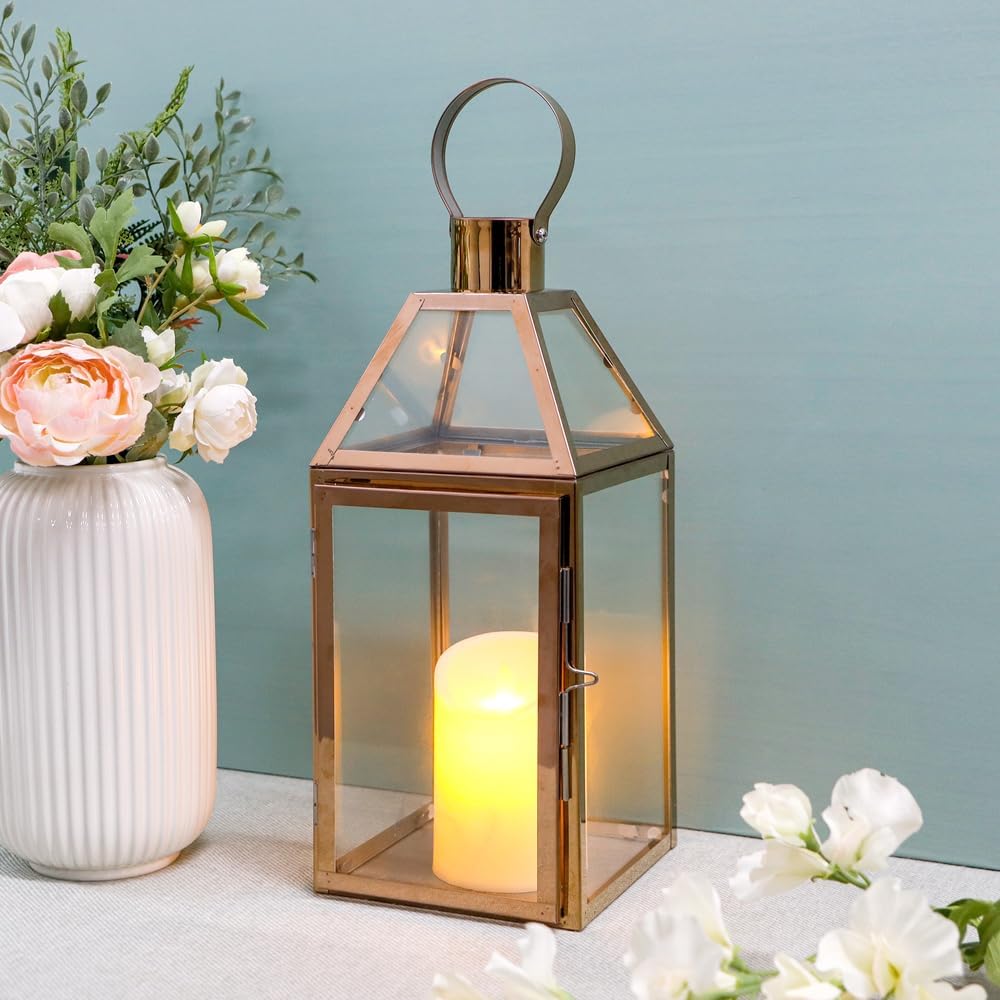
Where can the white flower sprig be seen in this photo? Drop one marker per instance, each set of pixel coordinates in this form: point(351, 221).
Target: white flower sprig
point(869, 816)
point(894, 947)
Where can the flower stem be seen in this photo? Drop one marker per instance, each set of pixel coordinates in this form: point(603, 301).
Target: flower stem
point(193, 304)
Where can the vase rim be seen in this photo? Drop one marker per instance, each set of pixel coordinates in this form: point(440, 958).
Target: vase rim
point(23, 469)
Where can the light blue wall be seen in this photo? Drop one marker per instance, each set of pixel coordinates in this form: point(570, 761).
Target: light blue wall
point(786, 216)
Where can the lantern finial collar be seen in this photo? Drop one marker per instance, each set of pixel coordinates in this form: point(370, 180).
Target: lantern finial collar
point(499, 255)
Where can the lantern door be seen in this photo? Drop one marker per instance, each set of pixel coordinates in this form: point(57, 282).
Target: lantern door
point(437, 686)
point(622, 814)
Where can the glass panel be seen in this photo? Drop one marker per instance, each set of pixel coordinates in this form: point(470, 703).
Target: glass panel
point(458, 384)
point(599, 410)
point(437, 699)
point(624, 584)
point(383, 691)
point(400, 409)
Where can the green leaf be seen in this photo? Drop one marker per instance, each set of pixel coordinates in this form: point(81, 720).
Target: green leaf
point(243, 309)
point(180, 339)
point(108, 223)
point(27, 38)
point(129, 338)
point(170, 175)
point(140, 262)
point(151, 149)
point(4, 120)
point(69, 234)
point(154, 437)
point(78, 95)
point(103, 93)
point(992, 960)
point(106, 280)
point(61, 316)
point(86, 338)
point(82, 163)
point(965, 913)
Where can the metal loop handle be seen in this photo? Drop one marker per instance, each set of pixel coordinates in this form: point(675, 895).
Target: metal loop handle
point(540, 222)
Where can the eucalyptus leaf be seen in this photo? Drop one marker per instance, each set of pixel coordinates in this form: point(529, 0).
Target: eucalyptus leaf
point(27, 39)
point(82, 163)
point(170, 175)
point(78, 95)
point(151, 148)
point(9, 173)
point(4, 120)
point(85, 208)
point(103, 93)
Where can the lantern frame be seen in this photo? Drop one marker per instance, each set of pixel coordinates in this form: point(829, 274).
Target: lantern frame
point(441, 484)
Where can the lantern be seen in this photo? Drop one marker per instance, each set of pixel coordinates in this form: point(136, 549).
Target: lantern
point(492, 518)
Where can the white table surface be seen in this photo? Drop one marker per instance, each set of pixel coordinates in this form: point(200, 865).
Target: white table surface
point(235, 917)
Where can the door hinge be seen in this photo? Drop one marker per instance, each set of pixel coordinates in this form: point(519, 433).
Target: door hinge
point(565, 789)
point(565, 595)
point(315, 804)
point(312, 551)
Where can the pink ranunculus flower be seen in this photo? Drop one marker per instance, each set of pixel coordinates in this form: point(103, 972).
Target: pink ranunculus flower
point(64, 401)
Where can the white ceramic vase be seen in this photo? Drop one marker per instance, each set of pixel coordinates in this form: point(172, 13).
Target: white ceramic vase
point(107, 667)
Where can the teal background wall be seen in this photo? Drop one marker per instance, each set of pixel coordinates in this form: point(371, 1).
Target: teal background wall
point(787, 218)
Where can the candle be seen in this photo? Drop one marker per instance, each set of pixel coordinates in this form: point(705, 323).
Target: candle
point(486, 763)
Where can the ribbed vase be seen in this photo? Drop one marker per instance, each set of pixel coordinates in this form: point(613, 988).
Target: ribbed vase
point(107, 667)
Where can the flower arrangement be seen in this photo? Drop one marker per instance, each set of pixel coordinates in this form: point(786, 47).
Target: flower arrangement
point(96, 307)
point(894, 944)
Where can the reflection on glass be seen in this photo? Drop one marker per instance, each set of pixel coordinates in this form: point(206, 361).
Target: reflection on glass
point(436, 764)
point(458, 384)
point(599, 410)
point(624, 643)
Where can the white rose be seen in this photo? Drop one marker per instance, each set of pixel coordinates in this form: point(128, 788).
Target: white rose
point(894, 945)
point(777, 868)
point(174, 389)
point(869, 816)
point(79, 289)
point(219, 413)
point(670, 957)
point(189, 213)
point(798, 981)
point(694, 895)
point(201, 277)
point(161, 347)
point(237, 267)
point(12, 330)
point(27, 294)
point(783, 812)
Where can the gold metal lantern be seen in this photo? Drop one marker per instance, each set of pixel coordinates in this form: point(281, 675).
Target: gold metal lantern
point(493, 597)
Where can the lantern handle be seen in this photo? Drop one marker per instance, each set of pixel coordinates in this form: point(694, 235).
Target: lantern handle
point(540, 222)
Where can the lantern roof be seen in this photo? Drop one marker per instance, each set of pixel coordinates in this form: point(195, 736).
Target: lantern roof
point(519, 384)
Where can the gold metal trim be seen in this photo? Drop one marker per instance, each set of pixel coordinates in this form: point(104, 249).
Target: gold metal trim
point(372, 848)
point(495, 255)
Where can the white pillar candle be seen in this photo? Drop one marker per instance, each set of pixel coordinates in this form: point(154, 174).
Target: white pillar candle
point(486, 763)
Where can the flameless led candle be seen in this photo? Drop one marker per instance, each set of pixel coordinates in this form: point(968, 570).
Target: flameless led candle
point(485, 763)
